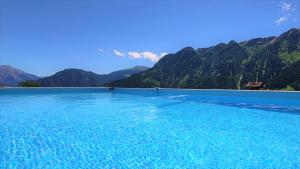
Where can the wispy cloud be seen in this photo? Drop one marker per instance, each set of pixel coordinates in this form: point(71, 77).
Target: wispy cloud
point(100, 50)
point(134, 55)
point(163, 54)
point(153, 57)
point(286, 9)
point(119, 53)
point(286, 6)
point(281, 20)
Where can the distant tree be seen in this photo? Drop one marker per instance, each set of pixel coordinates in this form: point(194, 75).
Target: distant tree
point(29, 83)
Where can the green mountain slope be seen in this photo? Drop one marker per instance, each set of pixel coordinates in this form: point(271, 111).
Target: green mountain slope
point(226, 66)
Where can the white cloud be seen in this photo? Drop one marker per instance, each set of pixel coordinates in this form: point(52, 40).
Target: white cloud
point(134, 55)
point(163, 54)
point(281, 20)
point(150, 56)
point(286, 6)
point(153, 56)
point(119, 53)
point(287, 10)
point(100, 50)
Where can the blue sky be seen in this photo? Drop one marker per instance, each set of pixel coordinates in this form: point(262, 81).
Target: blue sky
point(44, 36)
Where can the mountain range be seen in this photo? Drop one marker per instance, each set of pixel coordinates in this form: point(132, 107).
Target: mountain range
point(82, 78)
point(275, 61)
point(10, 76)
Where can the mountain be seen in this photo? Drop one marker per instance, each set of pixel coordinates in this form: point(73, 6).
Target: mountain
point(81, 78)
point(10, 76)
point(71, 78)
point(121, 74)
point(273, 61)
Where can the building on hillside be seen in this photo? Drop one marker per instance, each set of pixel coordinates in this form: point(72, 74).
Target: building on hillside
point(254, 85)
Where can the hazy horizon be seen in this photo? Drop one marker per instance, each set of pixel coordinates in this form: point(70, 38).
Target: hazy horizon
point(45, 37)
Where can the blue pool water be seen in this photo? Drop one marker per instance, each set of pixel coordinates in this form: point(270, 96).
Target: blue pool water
point(145, 128)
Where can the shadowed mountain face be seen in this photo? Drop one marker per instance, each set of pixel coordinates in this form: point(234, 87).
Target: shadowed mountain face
point(272, 60)
point(10, 76)
point(71, 78)
point(81, 78)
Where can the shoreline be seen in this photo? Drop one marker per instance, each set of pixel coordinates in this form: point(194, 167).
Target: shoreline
point(139, 88)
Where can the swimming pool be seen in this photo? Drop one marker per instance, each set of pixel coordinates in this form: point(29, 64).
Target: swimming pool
point(148, 128)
